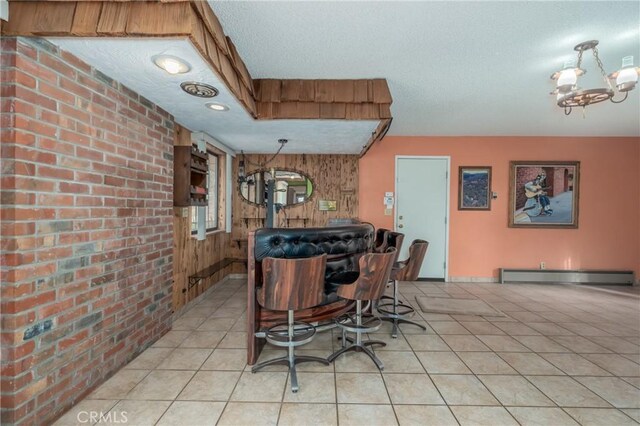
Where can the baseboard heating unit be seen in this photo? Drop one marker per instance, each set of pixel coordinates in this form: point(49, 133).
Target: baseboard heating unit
point(566, 276)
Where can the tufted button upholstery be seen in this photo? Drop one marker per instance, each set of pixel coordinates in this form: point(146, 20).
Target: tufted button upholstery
point(343, 245)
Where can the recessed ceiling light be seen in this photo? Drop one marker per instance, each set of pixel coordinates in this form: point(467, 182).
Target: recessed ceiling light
point(171, 64)
point(216, 106)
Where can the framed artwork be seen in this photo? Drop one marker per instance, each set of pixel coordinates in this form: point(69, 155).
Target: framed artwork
point(544, 194)
point(474, 188)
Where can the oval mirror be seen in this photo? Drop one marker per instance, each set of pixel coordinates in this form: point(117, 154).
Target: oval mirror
point(291, 187)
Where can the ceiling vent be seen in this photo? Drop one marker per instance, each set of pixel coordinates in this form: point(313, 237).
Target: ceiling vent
point(201, 90)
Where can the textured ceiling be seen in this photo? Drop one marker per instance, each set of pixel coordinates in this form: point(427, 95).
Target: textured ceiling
point(454, 68)
point(129, 62)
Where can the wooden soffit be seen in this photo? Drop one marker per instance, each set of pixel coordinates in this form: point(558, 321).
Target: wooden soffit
point(264, 99)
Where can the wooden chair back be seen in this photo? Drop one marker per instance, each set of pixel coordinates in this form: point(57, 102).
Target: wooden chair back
point(395, 239)
point(292, 284)
point(410, 268)
point(375, 270)
point(380, 243)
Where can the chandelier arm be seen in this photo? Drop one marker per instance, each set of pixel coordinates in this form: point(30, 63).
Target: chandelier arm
point(626, 94)
point(567, 110)
point(599, 63)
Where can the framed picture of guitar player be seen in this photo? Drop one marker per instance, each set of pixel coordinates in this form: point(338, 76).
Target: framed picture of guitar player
point(544, 194)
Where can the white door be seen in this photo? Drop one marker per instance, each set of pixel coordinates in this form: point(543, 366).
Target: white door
point(422, 209)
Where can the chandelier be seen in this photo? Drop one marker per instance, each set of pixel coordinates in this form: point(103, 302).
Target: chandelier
point(569, 95)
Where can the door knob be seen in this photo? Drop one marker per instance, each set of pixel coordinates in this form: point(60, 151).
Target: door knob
point(400, 226)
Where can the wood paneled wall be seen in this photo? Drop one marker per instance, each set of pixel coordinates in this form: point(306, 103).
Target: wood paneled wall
point(191, 255)
point(335, 177)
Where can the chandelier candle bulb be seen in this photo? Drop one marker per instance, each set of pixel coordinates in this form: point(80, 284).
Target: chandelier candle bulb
point(627, 77)
point(567, 80)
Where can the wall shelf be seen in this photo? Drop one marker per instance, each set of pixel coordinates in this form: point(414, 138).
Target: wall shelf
point(190, 168)
point(304, 221)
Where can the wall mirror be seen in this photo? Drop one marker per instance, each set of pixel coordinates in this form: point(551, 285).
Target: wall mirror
point(292, 187)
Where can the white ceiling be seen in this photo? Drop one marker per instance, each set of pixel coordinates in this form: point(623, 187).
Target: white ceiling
point(454, 68)
point(129, 62)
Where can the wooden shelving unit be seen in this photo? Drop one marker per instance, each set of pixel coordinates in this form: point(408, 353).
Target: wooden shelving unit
point(190, 168)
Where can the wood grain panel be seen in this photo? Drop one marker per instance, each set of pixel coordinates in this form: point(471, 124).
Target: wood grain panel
point(410, 269)
point(291, 90)
point(229, 74)
point(147, 18)
point(268, 90)
point(381, 93)
point(361, 91)
point(308, 91)
point(324, 91)
point(212, 51)
point(335, 177)
point(333, 110)
point(212, 23)
point(264, 110)
point(85, 20)
point(375, 270)
point(113, 19)
point(343, 91)
point(39, 18)
point(385, 110)
point(241, 68)
point(199, 35)
point(191, 255)
point(280, 289)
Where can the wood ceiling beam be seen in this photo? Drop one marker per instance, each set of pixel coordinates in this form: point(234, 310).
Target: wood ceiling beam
point(264, 99)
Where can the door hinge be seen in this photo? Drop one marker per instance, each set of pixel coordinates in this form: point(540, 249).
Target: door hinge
point(445, 220)
point(445, 264)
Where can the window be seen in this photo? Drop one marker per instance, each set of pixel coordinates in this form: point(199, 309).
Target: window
point(212, 187)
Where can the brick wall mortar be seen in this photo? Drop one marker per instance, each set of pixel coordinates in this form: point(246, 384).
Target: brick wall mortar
point(86, 228)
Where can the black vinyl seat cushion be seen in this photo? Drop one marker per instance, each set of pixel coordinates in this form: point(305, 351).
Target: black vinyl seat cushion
point(343, 245)
point(342, 278)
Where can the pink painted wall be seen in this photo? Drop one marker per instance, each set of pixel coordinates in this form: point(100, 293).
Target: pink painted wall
point(480, 242)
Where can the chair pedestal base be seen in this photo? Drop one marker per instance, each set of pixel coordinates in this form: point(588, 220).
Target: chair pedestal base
point(396, 311)
point(291, 362)
point(296, 334)
point(354, 324)
point(361, 348)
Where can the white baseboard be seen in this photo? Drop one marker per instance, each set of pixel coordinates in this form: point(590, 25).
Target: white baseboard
point(473, 280)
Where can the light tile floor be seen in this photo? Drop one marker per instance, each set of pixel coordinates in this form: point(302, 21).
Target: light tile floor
point(561, 355)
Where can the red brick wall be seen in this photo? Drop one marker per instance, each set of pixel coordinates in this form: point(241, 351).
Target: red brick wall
point(86, 228)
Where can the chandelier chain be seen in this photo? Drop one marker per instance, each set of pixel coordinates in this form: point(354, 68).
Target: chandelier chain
point(264, 165)
point(599, 62)
point(579, 59)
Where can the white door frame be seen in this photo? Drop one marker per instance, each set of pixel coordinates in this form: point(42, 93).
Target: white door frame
point(397, 199)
